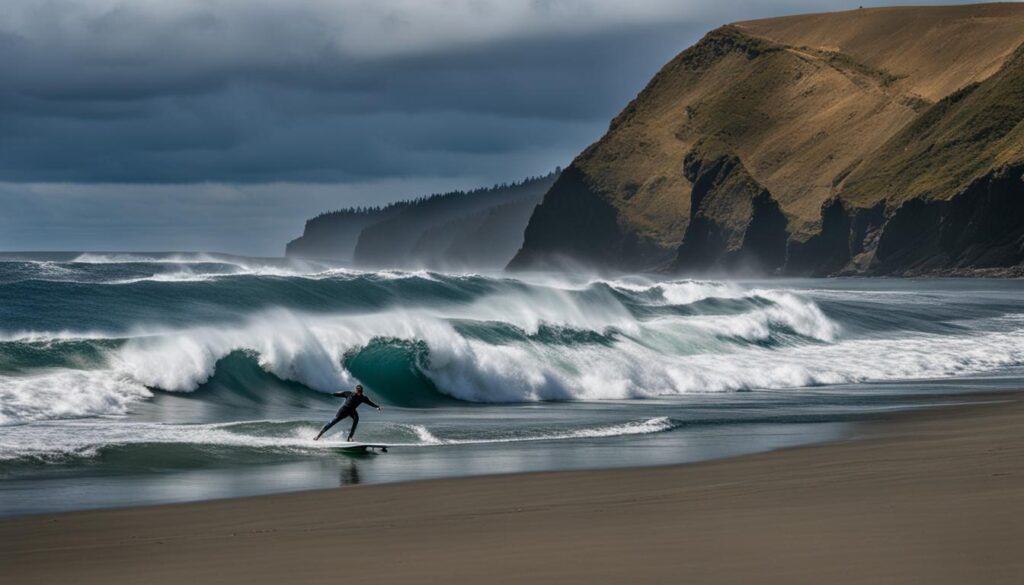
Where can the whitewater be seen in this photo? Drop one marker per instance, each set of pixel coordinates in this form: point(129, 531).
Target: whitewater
point(119, 362)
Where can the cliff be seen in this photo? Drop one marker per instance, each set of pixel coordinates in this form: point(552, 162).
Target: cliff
point(418, 235)
point(333, 235)
point(735, 223)
point(871, 141)
point(478, 229)
point(948, 189)
point(486, 239)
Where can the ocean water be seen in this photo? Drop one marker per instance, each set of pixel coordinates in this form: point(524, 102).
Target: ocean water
point(141, 378)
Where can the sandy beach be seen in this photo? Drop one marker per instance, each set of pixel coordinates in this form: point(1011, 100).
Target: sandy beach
point(923, 497)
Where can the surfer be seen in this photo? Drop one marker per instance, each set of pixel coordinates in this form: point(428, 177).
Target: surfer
point(348, 409)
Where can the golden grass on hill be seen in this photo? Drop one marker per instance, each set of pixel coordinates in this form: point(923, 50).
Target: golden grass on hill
point(803, 101)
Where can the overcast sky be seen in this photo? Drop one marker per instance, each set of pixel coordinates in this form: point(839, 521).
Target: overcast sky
point(222, 125)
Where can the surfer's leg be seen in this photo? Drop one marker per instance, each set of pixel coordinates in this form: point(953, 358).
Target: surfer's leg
point(328, 426)
point(355, 421)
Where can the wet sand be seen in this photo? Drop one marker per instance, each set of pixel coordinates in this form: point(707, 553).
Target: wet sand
point(925, 497)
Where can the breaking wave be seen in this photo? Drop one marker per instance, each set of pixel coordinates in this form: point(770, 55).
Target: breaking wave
point(101, 342)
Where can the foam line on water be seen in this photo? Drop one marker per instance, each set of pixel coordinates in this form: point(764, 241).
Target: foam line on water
point(70, 441)
point(649, 426)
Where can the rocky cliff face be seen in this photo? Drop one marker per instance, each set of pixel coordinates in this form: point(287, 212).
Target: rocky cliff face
point(980, 228)
point(735, 224)
point(334, 235)
point(945, 194)
point(884, 141)
point(487, 239)
point(434, 232)
point(479, 229)
point(579, 225)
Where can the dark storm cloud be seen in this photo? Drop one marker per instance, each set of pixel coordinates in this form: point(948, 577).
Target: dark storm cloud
point(143, 124)
point(127, 95)
point(319, 90)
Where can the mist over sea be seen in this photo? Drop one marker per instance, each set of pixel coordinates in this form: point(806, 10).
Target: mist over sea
point(138, 378)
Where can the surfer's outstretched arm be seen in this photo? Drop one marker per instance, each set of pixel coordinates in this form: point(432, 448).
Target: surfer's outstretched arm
point(344, 394)
point(371, 403)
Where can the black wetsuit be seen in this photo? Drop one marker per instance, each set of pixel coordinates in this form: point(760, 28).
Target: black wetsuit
point(348, 409)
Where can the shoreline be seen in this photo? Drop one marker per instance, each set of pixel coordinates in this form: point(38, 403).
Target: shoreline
point(921, 494)
point(850, 423)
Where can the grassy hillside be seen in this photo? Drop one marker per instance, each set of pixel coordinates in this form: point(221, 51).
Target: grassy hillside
point(950, 146)
point(809, 106)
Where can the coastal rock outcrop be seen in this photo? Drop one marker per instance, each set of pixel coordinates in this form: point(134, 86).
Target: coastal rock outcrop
point(735, 224)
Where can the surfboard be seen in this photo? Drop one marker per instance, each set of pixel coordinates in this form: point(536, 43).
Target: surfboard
point(362, 447)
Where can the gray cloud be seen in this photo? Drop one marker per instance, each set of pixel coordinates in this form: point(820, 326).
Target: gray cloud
point(244, 218)
point(101, 99)
point(324, 117)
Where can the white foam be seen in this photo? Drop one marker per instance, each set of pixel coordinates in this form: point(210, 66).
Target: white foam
point(786, 310)
point(687, 292)
point(234, 266)
point(666, 355)
point(188, 275)
point(55, 443)
point(54, 336)
point(644, 427)
point(423, 435)
point(670, 292)
point(64, 393)
point(133, 258)
point(58, 442)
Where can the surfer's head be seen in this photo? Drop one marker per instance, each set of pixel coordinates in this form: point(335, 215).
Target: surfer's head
point(359, 388)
